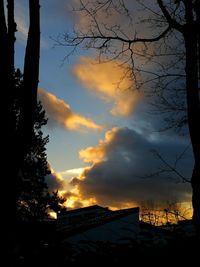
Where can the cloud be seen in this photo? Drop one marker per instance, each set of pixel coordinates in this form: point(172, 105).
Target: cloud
point(60, 114)
point(119, 165)
point(109, 82)
point(60, 181)
point(75, 171)
point(72, 194)
point(54, 181)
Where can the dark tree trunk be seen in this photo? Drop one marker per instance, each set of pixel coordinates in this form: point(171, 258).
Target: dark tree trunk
point(31, 77)
point(3, 42)
point(191, 33)
point(8, 151)
point(9, 135)
point(17, 140)
point(10, 96)
point(11, 36)
point(196, 197)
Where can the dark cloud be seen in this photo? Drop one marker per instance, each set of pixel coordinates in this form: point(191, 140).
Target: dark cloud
point(119, 177)
point(54, 182)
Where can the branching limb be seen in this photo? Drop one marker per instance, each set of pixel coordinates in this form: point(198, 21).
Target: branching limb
point(169, 167)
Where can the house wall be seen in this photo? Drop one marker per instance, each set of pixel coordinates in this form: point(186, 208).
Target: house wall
point(81, 215)
point(119, 230)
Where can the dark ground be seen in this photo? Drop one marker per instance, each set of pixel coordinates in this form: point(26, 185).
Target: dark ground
point(39, 245)
point(178, 251)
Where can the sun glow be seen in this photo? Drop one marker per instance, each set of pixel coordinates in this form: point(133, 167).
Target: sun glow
point(171, 215)
point(53, 215)
point(76, 201)
point(74, 198)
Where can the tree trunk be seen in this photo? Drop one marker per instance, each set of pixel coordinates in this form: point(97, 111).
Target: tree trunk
point(3, 41)
point(196, 197)
point(193, 107)
point(8, 151)
point(16, 142)
point(11, 36)
point(30, 79)
point(10, 96)
point(8, 118)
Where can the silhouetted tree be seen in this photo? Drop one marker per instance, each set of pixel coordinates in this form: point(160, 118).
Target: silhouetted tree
point(7, 40)
point(30, 78)
point(34, 199)
point(18, 139)
point(33, 191)
point(171, 48)
point(56, 203)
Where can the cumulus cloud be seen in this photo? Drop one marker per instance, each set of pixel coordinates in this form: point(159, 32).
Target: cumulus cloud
point(60, 114)
point(109, 82)
point(119, 165)
point(54, 181)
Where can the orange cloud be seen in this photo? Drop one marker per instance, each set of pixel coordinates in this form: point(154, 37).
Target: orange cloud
point(92, 154)
point(77, 200)
point(97, 153)
point(109, 82)
point(60, 113)
point(69, 189)
point(72, 192)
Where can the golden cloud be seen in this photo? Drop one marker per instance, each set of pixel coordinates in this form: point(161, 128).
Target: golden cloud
point(109, 82)
point(97, 153)
point(72, 192)
point(69, 189)
point(92, 154)
point(60, 113)
point(77, 200)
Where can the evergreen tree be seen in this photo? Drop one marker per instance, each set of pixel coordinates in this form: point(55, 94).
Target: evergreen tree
point(33, 191)
point(34, 200)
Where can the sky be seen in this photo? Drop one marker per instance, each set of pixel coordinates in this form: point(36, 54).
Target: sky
point(102, 137)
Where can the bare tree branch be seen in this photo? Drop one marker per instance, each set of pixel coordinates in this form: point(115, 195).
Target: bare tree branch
point(172, 23)
point(170, 167)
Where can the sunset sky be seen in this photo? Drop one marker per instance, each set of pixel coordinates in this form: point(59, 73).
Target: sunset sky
point(101, 136)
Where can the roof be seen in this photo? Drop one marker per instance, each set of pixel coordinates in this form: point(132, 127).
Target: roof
point(84, 209)
point(100, 219)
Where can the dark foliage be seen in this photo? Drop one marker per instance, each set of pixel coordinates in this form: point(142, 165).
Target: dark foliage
point(34, 200)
